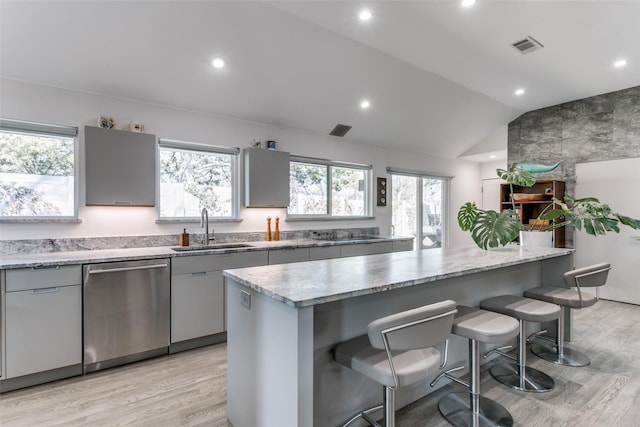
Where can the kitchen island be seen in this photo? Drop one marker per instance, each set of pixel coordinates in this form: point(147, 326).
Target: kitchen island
point(283, 321)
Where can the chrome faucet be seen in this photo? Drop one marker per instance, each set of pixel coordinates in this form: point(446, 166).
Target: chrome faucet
point(204, 222)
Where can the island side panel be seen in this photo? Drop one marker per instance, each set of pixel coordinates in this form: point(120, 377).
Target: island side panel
point(269, 361)
point(340, 392)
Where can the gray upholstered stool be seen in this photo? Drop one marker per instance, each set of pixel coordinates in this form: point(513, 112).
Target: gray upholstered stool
point(519, 376)
point(398, 350)
point(471, 409)
point(591, 276)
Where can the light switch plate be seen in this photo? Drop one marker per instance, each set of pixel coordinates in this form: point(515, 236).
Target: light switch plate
point(245, 299)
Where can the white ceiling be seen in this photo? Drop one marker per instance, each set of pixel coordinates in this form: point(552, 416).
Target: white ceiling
point(440, 77)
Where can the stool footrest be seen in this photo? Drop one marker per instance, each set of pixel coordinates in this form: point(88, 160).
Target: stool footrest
point(365, 415)
point(448, 375)
point(500, 351)
point(540, 335)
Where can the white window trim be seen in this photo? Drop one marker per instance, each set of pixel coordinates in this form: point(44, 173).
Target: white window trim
point(46, 129)
point(196, 146)
point(368, 196)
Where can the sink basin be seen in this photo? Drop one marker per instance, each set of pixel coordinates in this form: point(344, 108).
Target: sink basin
point(211, 247)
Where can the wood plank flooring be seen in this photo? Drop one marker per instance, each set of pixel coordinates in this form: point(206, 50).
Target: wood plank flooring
point(189, 388)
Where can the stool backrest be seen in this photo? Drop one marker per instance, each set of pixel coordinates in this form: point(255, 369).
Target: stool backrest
point(420, 327)
point(593, 275)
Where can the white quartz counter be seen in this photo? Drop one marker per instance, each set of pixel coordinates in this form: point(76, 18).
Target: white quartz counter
point(31, 260)
point(317, 282)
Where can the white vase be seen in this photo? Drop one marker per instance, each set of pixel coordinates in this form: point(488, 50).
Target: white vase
point(536, 238)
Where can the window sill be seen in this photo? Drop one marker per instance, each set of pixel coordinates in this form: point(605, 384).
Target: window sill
point(40, 220)
point(298, 218)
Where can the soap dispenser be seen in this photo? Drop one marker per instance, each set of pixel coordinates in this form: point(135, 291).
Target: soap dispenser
point(184, 238)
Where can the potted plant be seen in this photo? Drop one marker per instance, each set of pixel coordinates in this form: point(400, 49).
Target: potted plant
point(490, 229)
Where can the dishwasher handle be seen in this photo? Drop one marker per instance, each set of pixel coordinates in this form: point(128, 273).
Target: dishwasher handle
point(115, 270)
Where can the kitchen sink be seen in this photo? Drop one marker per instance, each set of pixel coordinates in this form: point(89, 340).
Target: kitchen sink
point(211, 247)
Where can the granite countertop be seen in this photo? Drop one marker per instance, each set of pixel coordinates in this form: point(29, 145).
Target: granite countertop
point(309, 283)
point(27, 260)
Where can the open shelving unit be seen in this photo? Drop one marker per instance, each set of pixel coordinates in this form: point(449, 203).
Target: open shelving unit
point(528, 210)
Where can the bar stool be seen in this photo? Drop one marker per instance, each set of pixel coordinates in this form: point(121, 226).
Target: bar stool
point(591, 276)
point(398, 350)
point(471, 409)
point(519, 376)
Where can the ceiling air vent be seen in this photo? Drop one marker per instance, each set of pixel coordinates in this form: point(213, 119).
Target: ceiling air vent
point(527, 45)
point(340, 130)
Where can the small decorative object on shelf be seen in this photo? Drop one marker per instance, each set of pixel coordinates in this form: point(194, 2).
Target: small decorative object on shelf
point(136, 127)
point(106, 123)
point(271, 145)
point(256, 143)
point(276, 233)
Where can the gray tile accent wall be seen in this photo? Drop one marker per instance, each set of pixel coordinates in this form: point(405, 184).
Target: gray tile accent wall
point(603, 127)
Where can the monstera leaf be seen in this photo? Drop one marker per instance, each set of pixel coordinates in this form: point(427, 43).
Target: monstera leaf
point(466, 215)
point(491, 229)
point(517, 176)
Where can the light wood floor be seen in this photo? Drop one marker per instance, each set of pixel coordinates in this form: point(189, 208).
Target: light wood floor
point(189, 389)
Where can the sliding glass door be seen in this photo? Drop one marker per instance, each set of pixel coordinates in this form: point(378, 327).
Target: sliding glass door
point(418, 209)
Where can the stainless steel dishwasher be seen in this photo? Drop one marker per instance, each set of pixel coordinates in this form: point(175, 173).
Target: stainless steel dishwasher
point(126, 312)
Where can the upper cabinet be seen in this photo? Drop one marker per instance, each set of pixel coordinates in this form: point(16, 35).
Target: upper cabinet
point(266, 178)
point(120, 167)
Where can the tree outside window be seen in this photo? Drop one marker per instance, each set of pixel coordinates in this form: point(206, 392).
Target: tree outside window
point(37, 175)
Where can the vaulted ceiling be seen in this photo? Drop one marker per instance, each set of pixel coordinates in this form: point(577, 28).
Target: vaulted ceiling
point(440, 77)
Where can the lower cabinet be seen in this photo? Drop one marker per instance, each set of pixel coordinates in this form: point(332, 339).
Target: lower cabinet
point(402, 245)
point(324, 252)
point(198, 292)
point(43, 320)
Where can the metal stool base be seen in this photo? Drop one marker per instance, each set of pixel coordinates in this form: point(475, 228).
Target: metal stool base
point(534, 380)
point(569, 356)
point(456, 408)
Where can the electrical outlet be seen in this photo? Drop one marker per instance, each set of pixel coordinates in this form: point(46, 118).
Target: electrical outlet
point(245, 299)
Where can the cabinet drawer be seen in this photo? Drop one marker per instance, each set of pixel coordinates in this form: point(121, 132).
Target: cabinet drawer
point(324, 252)
point(284, 256)
point(47, 277)
point(196, 263)
point(366, 249)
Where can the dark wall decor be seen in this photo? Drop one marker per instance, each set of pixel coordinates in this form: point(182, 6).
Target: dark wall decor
point(603, 127)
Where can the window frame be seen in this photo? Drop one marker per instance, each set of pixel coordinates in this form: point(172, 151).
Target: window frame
point(234, 152)
point(329, 164)
point(48, 130)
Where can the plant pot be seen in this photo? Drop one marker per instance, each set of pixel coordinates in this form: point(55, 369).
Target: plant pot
point(536, 239)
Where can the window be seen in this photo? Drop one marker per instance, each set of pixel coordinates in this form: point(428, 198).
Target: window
point(196, 176)
point(323, 188)
point(38, 165)
point(419, 206)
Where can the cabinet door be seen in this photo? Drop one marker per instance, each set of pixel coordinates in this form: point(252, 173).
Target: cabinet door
point(120, 167)
point(366, 249)
point(403, 246)
point(197, 305)
point(285, 256)
point(43, 329)
point(266, 178)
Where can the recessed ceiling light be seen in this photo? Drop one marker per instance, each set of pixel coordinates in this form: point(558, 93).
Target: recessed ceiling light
point(519, 91)
point(217, 63)
point(364, 15)
point(365, 104)
point(620, 63)
point(467, 3)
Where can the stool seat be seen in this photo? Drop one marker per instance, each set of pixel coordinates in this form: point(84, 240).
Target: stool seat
point(527, 309)
point(519, 376)
point(410, 366)
point(484, 326)
point(471, 409)
point(561, 296)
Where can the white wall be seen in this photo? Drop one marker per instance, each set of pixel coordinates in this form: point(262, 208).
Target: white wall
point(24, 101)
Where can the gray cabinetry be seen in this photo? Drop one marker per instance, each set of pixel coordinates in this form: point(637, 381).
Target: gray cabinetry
point(120, 167)
point(42, 320)
point(266, 178)
point(198, 294)
point(366, 249)
point(403, 245)
point(324, 252)
point(287, 255)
